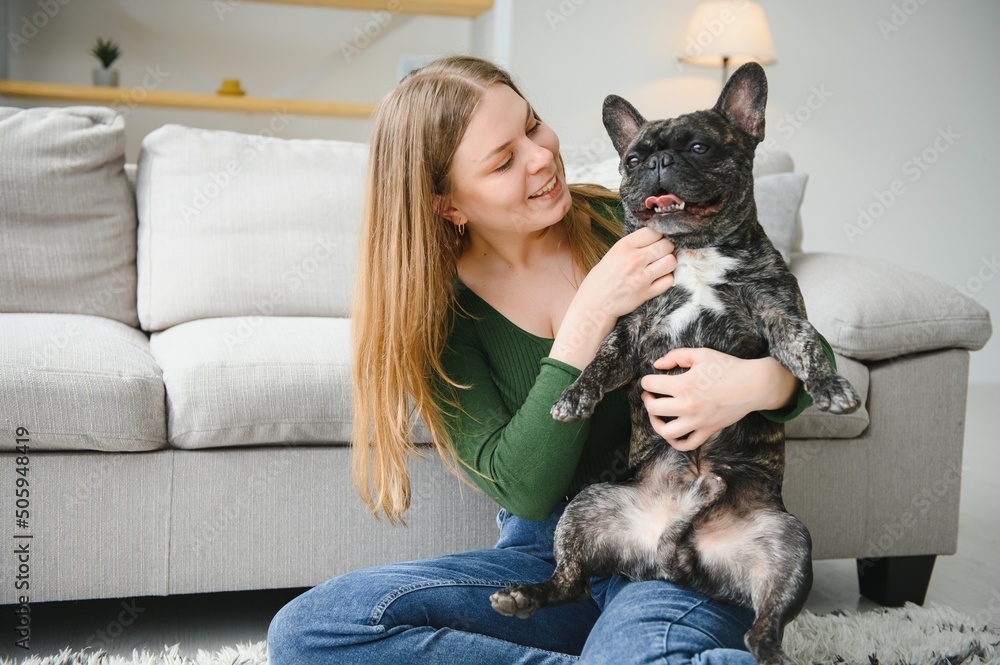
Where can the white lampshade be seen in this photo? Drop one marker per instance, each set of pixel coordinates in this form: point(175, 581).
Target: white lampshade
point(727, 32)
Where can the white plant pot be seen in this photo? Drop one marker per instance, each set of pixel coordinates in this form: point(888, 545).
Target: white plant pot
point(106, 77)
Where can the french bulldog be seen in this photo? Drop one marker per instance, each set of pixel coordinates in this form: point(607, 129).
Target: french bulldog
point(711, 519)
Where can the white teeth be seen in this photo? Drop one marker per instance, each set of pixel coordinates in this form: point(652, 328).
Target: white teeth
point(670, 208)
point(545, 190)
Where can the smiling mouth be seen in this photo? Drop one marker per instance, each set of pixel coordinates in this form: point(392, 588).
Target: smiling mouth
point(547, 189)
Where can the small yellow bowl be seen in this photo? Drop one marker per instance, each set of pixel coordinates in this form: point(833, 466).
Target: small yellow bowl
point(231, 87)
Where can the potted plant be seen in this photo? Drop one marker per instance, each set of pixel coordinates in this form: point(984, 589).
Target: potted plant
point(106, 51)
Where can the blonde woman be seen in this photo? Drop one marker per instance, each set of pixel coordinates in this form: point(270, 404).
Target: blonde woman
point(485, 284)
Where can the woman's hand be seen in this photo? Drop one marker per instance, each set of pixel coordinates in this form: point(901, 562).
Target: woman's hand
point(637, 268)
point(716, 391)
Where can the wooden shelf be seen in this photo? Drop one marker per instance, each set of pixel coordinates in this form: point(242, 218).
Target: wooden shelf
point(139, 97)
point(462, 8)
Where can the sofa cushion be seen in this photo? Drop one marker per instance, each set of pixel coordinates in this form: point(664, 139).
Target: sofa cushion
point(777, 190)
point(79, 382)
point(244, 225)
point(815, 424)
point(873, 310)
point(67, 216)
point(256, 380)
point(778, 197)
point(770, 162)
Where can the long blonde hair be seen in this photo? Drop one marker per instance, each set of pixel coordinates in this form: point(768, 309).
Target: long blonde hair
point(404, 297)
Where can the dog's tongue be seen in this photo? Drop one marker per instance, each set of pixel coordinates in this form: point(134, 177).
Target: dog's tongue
point(662, 201)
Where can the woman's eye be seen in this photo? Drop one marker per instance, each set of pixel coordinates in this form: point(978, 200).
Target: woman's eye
point(506, 165)
point(534, 127)
point(699, 148)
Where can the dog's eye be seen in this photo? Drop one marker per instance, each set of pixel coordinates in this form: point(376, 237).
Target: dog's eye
point(632, 161)
point(699, 148)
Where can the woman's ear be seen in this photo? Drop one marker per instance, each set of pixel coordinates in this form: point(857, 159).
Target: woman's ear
point(444, 208)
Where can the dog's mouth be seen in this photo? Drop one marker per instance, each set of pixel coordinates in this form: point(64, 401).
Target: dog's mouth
point(666, 203)
point(669, 204)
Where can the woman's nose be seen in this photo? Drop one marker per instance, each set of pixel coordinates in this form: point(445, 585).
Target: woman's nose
point(539, 157)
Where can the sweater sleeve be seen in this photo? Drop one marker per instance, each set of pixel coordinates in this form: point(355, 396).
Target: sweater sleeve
point(518, 454)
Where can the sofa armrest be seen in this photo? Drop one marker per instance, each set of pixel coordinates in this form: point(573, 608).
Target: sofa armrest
point(873, 310)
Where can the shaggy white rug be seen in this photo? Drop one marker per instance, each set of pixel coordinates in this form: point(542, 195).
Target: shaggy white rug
point(911, 635)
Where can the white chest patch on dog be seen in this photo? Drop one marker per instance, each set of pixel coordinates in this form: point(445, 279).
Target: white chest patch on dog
point(698, 272)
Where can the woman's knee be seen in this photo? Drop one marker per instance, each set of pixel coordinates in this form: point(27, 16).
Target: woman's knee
point(328, 616)
point(661, 622)
point(284, 634)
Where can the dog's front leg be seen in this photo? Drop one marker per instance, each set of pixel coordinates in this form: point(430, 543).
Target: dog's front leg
point(795, 344)
point(609, 369)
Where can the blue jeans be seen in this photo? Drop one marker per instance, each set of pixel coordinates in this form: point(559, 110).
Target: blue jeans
point(437, 611)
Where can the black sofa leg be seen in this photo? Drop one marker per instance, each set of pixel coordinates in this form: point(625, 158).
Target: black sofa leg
point(895, 580)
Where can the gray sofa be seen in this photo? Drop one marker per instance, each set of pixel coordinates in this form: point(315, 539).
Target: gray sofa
point(174, 384)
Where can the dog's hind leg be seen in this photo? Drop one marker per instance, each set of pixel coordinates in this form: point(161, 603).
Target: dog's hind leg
point(762, 559)
point(600, 533)
point(780, 589)
point(764, 638)
point(568, 584)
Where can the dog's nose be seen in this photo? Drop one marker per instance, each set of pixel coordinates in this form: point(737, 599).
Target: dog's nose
point(660, 160)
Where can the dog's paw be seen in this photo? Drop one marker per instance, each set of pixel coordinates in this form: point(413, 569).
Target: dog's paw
point(833, 393)
point(575, 404)
point(513, 602)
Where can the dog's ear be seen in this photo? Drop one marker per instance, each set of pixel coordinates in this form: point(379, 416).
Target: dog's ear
point(744, 98)
point(622, 122)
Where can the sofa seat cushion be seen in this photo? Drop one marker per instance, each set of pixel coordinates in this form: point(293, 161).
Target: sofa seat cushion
point(873, 310)
point(80, 382)
point(67, 213)
point(815, 424)
point(256, 380)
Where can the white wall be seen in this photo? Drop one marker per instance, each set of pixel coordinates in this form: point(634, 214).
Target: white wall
point(853, 101)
